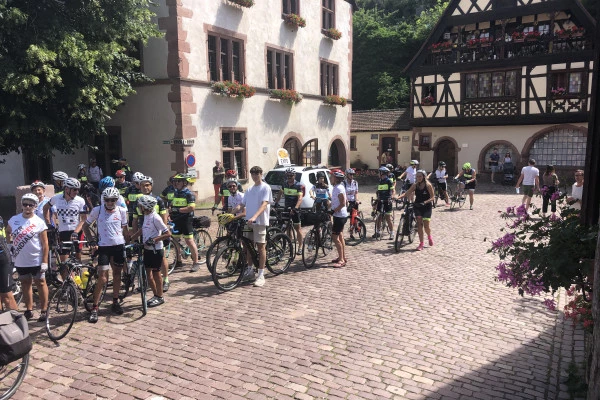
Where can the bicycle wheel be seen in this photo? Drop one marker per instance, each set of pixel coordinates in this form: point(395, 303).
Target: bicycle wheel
point(326, 239)
point(171, 254)
point(379, 221)
point(412, 228)
point(310, 249)
point(400, 233)
point(436, 196)
point(291, 233)
point(228, 267)
point(461, 199)
point(272, 231)
point(128, 281)
point(203, 242)
point(88, 293)
point(61, 312)
point(16, 288)
point(142, 282)
point(219, 243)
point(357, 233)
point(11, 376)
point(280, 253)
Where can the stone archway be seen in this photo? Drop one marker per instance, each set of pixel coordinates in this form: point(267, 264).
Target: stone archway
point(336, 156)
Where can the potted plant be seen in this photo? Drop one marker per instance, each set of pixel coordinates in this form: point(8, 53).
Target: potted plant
point(472, 42)
point(428, 100)
point(533, 36)
point(243, 3)
point(332, 33)
point(559, 91)
point(485, 42)
point(577, 31)
point(335, 100)
point(517, 36)
point(288, 95)
point(562, 33)
point(294, 20)
point(233, 89)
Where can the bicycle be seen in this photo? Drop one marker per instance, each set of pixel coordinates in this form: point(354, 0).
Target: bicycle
point(407, 227)
point(357, 231)
point(62, 307)
point(12, 375)
point(282, 223)
point(230, 262)
point(440, 194)
point(176, 250)
point(459, 196)
point(319, 237)
point(135, 277)
point(399, 203)
point(381, 220)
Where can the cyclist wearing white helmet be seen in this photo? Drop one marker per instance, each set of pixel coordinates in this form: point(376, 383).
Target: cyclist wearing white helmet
point(293, 192)
point(146, 184)
point(340, 216)
point(440, 175)
point(58, 179)
point(385, 193)
point(468, 180)
point(30, 253)
point(410, 174)
point(111, 220)
point(132, 194)
point(39, 189)
point(70, 212)
point(351, 186)
point(153, 230)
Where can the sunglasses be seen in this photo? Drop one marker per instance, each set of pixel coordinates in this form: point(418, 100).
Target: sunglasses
point(28, 205)
point(77, 190)
point(110, 200)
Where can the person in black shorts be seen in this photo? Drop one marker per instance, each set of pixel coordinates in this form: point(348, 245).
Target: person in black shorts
point(293, 192)
point(6, 271)
point(423, 205)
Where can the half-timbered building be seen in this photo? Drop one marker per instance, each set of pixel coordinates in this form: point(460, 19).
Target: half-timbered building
point(508, 74)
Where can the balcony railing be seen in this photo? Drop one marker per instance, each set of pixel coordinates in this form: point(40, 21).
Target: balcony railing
point(548, 44)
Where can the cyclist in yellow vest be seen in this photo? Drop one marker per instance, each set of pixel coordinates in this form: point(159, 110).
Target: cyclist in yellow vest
point(468, 177)
point(182, 215)
point(293, 191)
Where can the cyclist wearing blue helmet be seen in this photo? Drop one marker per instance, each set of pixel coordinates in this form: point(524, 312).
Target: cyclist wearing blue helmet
point(107, 182)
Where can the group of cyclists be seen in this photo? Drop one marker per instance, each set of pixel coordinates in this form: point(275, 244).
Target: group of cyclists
point(118, 211)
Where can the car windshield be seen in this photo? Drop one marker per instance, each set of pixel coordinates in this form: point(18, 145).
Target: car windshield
point(278, 177)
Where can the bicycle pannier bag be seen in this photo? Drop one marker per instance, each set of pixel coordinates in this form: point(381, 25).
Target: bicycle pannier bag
point(201, 222)
point(14, 337)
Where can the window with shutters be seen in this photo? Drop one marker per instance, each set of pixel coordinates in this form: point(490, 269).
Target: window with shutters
point(225, 58)
point(280, 69)
point(328, 17)
point(329, 79)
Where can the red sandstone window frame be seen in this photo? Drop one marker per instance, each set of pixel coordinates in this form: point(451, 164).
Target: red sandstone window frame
point(223, 50)
point(329, 78)
point(328, 14)
point(280, 68)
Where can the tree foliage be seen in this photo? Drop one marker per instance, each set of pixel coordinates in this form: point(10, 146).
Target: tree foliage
point(65, 66)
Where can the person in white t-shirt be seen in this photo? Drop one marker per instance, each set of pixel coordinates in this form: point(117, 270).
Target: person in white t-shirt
point(234, 199)
point(257, 204)
point(153, 232)
point(340, 216)
point(30, 253)
point(441, 176)
point(530, 176)
point(110, 243)
point(94, 173)
point(574, 200)
point(411, 175)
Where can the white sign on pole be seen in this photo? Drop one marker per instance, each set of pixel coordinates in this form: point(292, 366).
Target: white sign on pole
point(283, 157)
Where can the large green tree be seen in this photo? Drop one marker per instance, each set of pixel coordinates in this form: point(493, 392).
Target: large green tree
point(65, 66)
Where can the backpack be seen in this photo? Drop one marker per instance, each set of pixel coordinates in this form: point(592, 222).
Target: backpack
point(15, 342)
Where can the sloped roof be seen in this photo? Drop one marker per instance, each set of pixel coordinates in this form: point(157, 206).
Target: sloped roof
point(380, 120)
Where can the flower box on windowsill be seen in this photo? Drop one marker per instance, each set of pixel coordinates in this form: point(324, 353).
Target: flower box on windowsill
point(334, 100)
point(233, 89)
point(287, 95)
point(428, 101)
point(332, 33)
point(294, 20)
point(243, 3)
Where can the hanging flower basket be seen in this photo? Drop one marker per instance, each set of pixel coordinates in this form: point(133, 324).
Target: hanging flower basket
point(332, 33)
point(243, 3)
point(560, 91)
point(233, 89)
point(428, 101)
point(440, 46)
point(335, 100)
point(518, 36)
point(533, 36)
point(294, 20)
point(287, 95)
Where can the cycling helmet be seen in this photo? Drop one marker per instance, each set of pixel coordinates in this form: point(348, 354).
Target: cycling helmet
point(147, 202)
point(120, 173)
point(389, 166)
point(137, 177)
point(37, 184)
point(350, 171)
point(80, 167)
point(383, 170)
point(290, 171)
point(414, 162)
point(467, 165)
point(423, 172)
point(110, 193)
point(231, 173)
point(59, 176)
point(31, 197)
point(147, 179)
point(338, 173)
point(72, 183)
point(184, 177)
point(442, 164)
point(106, 182)
point(224, 219)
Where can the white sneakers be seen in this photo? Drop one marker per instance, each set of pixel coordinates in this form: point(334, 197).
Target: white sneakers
point(260, 281)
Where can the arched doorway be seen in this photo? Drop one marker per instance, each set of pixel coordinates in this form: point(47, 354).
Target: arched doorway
point(310, 153)
point(446, 151)
point(337, 154)
point(293, 146)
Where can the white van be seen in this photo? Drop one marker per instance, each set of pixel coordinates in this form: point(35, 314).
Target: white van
point(305, 175)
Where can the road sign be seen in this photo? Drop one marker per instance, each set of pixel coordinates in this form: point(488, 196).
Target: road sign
point(190, 160)
point(183, 142)
point(283, 157)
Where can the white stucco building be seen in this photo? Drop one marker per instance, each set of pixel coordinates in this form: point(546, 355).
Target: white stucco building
point(206, 41)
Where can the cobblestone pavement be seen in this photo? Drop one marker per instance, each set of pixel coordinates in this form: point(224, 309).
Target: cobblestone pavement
point(414, 325)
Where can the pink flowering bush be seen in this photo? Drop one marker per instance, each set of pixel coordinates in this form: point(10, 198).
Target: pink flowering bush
point(539, 255)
